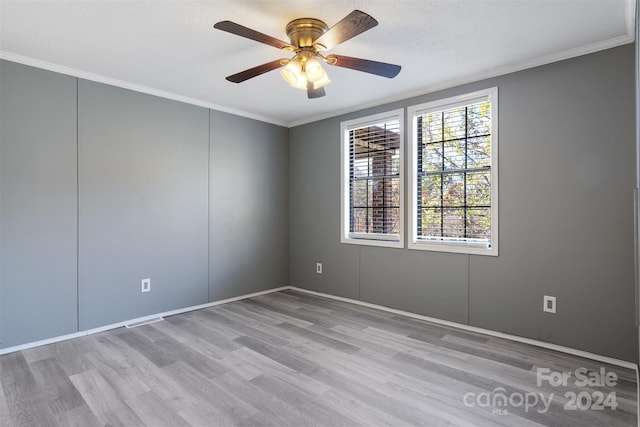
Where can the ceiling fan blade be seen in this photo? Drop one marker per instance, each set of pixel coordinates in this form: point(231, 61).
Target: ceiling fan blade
point(255, 71)
point(374, 67)
point(314, 93)
point(242, 31)
point(355, 23)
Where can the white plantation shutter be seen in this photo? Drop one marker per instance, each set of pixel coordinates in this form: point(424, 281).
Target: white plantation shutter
point(454, 169)
point(372, 179)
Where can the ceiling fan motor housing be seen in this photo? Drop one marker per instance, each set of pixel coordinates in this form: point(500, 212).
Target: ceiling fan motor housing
point(303, 32)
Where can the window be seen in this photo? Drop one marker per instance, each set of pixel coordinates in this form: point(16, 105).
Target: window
point(453, 186)
point(372, 180)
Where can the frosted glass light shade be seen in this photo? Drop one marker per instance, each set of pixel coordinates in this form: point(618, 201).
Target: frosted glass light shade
point(302, 69)
point(292, 71)
point(314, 70)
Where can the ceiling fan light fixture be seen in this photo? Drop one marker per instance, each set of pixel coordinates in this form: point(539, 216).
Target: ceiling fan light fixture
point(302, 69)
point(314, 70)
point(322, 81)
point(292, 71)
point(308, 37)
point(301, 83)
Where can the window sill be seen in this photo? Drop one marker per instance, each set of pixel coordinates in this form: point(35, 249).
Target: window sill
point(469, 249)
point(373, 242)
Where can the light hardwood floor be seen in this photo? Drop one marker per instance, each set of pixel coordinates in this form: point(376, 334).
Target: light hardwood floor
point(294, 359)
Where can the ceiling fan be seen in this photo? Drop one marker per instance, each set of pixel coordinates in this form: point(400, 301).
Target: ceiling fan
point(308, 38)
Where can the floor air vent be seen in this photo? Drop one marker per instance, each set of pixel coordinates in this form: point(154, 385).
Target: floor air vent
point(145, 322)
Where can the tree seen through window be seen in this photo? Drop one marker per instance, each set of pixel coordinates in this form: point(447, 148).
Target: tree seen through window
point(454, 173)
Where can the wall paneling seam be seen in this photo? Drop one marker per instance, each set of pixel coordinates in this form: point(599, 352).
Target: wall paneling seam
point(359, 267)
point(209, 208)
point(77, 204)
point(468, 308)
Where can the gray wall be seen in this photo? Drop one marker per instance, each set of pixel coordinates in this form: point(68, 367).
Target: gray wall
point(125, 186)
point(38, 204)
point(249, 249)
point(637, 162)
point(566, 165)
point(143, 165)
point(178, 193)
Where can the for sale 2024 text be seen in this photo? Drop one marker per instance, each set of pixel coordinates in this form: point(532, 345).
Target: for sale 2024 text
point(595, 400)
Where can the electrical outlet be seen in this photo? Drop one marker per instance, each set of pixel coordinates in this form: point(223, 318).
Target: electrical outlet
point(319, 267)
point(145, 285)
point(549, 304)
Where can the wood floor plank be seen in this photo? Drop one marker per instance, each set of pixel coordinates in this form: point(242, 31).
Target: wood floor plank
point(25, 400)
point(343, 403)
point(270, 409)
point(247, 327)
point(446, 411)
point(276, 316)
point(58, 391)
point(310, 316)
point(472, 348)
point(324, 340)
point(4, 409)
point(402, 344)
point(118, 376)
point(105, 402)
point(182, 350)
point(259, 362)
point(289, 359)
point(294, 359)
point(173, 393)
point(69, 354)
point(38, 353)
point(82, 416)
point(217, 342)
point(360, 391)
point(227, 409)
point(154, 412)
point(146, 347)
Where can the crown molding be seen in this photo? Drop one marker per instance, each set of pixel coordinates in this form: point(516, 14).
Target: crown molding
point(536, 62)
point(73, 72)
point(533, 63)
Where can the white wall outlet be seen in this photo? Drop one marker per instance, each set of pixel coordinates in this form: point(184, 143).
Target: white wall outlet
point(549, 304)
point(145, 285)
point(319, 267)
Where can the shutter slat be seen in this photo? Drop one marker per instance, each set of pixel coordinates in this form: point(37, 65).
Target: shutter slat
point(454, 170)
point(374, 175)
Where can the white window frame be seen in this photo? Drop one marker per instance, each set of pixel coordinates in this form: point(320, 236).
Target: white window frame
point(369, 239)
point(491, 95)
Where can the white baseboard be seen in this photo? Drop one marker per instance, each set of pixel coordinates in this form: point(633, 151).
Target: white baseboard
point(156, 317)
point(542, 344)
point(489, 332)
point(133, 322)
point(152, 317)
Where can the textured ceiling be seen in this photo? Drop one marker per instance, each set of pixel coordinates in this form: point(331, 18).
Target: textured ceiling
point(170, 48)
